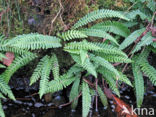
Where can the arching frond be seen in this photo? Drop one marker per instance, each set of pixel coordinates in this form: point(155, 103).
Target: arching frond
point(102, 13)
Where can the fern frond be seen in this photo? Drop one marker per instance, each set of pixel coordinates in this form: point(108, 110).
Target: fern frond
point(102, 13)
point(131, 38)
point(87, 65)
point(109, 79)
point(1, 110)
point(146, 40)
point(2, 56)
point(19, 62)
point(34, 41)
point(75, 92)
point(151, 5)
point(86, 99)
point(72, 34)
point(5, 89)
point(56, 85)
point(45, 77)
point(55, 67)
point(113, 27)
point(2, 66)
point(37, 72)
point(139, 84)
point(99, 33)
point(102, 96)
point(149, 70)
point(102, 62)
point(114, 58)
point(97, 47)
point(132, 15)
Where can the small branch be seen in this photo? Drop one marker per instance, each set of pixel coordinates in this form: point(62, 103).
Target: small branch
point(96, 96)
point(58, 13)
point(70, 101)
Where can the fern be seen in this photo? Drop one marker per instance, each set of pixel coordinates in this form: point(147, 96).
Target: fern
point(102, 96)
point(148, 70)
point(45, 77)
point(99, 33)
point(5, 89)
point(37, 72)
point(87, 65)
point(2, 66)
point(19, 62)
point(72, 34)
point(113, 27)
point(139, 84)
point(86, 99)
point(55, 67)
point(151, 5)
point(131, 38)
point(97, 47)
point(75, 92)
point(132, 15)
point(114, 58)
point(103, 13)
point(34, 41)
point(1, 110)
point(101, 61)
point(109, 80)
point(56, 85)
point(146, 40)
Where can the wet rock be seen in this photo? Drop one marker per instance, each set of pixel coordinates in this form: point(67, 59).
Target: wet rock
point(50, 113)
point(38, 105)
point(48, 97)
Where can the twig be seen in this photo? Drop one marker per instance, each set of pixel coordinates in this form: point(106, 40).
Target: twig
point(58, 13)
point(70, 101)
point(96, 96)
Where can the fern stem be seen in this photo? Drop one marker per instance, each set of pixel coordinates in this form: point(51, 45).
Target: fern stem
point(66, 104)
point(96, 95)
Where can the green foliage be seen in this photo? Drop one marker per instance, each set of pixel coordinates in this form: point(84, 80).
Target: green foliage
point(102, 96)
point(1, 110)
point(75, 92)
point(131, 38)
point(86, 99)
point(113, 27)
point(103, 13)
point(72, 34)
point(34, 41)
point(138, 84)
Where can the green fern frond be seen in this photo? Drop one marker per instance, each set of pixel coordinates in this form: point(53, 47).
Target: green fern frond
point(104, 63)
point(75, 92)
point(2, 96)
point(55, 67)
point(19, 62)
point(146, 40)
point(72, 34)
point(34, 41)
point(2, 66)
point(132, 15)
point(103, 98)
point(1, 110)
point(139, 84)
point(114, 58)
point(5, 89)
point(86, 99)
point(56, 85)
point(102, 13)
point(109, 79)
point(124, 79)
point(113, 27)
point(37, 72)
point(2, 56)
point(45, 77)
point(151, 5)
point(99, 33)
point(131, 38)
point(97, 47)
point(149, 70)
point(87, 65)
